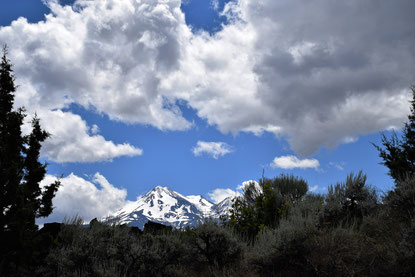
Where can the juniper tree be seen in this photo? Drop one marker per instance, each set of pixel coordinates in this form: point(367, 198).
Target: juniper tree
point(22, 199)
point(263, 205)
point(399, 154)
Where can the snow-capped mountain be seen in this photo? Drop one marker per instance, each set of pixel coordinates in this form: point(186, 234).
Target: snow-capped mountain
point(168, 207)
point(222, 208)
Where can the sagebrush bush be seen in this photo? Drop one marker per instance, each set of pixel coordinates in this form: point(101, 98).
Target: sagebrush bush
point(349, 202)
point(103, 250)
point(284, 250)
point(347, 232)
point(215, 246)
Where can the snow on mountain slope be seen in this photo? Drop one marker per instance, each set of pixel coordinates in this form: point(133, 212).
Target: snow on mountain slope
point(168, 207)
point(223, 207)
point(202, 203)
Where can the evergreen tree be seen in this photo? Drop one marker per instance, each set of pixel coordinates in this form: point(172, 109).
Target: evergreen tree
point(263, 205)
point(399, 154)
point(22, 200)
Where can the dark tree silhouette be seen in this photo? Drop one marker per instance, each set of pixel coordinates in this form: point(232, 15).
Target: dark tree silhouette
point(399, 154)
point(22, 200)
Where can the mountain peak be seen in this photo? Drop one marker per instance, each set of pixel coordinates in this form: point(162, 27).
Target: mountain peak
point(161, 188)
point(158, 191)
point(168, 207)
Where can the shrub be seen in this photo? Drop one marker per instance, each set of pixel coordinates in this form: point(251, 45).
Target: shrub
point(265, 204)
point(103, 250)
point(215, 246)
point(349, 202)
point(401, 200)
point(284, 251)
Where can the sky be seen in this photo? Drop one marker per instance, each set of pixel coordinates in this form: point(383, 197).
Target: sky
point(202, 95)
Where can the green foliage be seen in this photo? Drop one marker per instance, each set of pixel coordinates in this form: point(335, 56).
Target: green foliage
point(349, 202)
point(364, 239)
point(291, 188)
point(399, 154)
point(244, 216)
point(263, 205)
point(22, 200)
point(407, 246)
point(215, 246)
point(401, 200)
point(103, 250)
point(283, 251)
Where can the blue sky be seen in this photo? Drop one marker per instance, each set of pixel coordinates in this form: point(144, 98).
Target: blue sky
point(317, 99)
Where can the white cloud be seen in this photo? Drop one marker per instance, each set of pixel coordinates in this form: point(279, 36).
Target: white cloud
point(315, 80)
point(70, 141)
point(94, 129)
point(311, 79)
point(214, 149)
point(339, 166)
point(219, 195)
point(86, 199)
point(216, 78)
point(313, 188)
point(214, 4)
point(291, 162)
point(107, 56)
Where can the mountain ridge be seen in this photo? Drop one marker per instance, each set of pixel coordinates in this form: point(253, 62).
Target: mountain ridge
point(168, 207)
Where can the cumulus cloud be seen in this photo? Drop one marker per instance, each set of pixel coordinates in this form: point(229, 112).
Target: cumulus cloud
point(87, 199)
point(291, 162)
point(216, 78)
point(70, 141)
point(316, 80)
point(214, 149)
point(328, 78)
point(107, 56)
point(220, 194)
